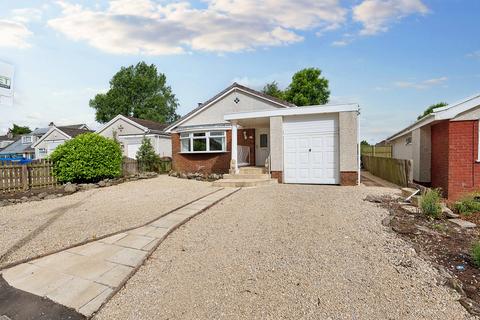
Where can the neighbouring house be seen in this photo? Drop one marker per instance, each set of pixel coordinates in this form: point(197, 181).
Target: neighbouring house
point(6, 140)
point(22, 147)
point(55, 136)
point(444, 148)
point(130, 131)
point(243, 127)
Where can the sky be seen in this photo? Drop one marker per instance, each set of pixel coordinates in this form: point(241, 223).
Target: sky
point(392, 57)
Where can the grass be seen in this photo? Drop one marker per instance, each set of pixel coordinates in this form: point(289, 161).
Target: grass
point(430, 203)
point(439, 227)
point(469, 204)
point(476, 254)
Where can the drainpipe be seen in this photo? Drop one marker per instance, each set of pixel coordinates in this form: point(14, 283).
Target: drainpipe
point(358, 147)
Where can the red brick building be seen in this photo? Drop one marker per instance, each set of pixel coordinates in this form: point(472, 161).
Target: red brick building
point(444, 148)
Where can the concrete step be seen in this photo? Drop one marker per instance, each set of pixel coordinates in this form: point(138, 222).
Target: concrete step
point(251, 170)
point(264, 176)
point(242, 183)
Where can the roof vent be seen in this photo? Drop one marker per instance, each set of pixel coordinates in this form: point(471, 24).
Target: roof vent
point(51, 124)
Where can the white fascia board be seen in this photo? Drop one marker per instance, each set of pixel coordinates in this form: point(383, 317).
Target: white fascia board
point(293, 111)
point(169, 129)
point(144, 135)
point(453, 111)
point(205, 128)
point(418, 124)
point(109, 123)
point(48, 133)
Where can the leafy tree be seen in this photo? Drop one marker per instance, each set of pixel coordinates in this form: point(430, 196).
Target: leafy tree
point(430, 109)
point(139, 91)
point(147, 158)
point(364, 143)
point(17, 130)
point(308, 87)
point(273, 90)
point(88, 157)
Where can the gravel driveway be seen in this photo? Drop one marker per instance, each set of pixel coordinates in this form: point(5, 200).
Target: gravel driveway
point(286, 252)
point(54, 224)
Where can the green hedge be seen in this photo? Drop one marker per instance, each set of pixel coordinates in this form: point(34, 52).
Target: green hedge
point(87, 158)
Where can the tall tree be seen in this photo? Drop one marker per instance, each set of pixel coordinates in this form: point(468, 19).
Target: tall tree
point(139, 91)
point(430, 109)
point(273, 90)
point(17, 130)
point(308, 87)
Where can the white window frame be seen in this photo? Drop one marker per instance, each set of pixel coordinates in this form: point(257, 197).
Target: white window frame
point(25, 141)
point(207, 135)
point(408, 140)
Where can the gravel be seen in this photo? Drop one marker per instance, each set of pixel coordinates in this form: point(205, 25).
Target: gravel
point(286, 252)
point(54, 224)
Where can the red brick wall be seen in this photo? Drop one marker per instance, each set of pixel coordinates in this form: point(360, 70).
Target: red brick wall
point(454, 155)
point(464, 171)
point(277, 175)
point(439, 159)
point(348, 178)
point(207, 163)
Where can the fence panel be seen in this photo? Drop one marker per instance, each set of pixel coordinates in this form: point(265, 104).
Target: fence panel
point(397, 171)
point(383, 151)
point(20, 177)
point(129, 167)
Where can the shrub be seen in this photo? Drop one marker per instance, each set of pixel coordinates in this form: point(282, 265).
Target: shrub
point(476, 254)
point(468, 204)
point(147, 159)
point(430, 203)
point(87, 158)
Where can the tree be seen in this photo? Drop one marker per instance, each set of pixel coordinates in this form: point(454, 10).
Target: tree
point(88, 157)
point(430, 109)
point(364, 143)
point(147, 158)
point(273, 90)
point(17, 130)
point(308, 87)
point(139, 91)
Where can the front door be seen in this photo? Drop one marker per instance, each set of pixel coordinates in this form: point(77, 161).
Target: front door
point(262, 145)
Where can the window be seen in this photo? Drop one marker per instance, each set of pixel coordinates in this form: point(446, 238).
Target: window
point(263, 140)
point(26, 139)
point(207, 141)
point(42, 151)
point(408, 140)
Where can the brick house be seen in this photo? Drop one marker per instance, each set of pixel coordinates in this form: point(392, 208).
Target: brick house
point(241, 127)
point(444, 148)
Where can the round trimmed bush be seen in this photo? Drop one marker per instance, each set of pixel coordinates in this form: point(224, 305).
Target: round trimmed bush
point(87, 158)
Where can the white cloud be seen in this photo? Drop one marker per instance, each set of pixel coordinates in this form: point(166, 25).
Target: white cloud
point(425, 84)
point(146, 27)
point(377, 15)
point(14, 34)
point(25, 15)
point(340, 43)
point(474, 55)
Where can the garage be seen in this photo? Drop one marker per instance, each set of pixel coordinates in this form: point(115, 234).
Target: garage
point(311, 149)
point(132, 150)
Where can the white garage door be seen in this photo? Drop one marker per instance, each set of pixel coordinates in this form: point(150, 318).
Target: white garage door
point(311, 149)
point(132, 150)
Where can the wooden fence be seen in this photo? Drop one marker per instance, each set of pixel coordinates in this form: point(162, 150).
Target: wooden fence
point(383, 151)
point(16, 177)
point(132, 166)
point(398, 171)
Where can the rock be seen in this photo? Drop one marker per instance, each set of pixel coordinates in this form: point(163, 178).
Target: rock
point(102, 184)
point(374, 199)
point(416, 200)
point(50, 196)
point(183, 176)
point(4, 203)
point(24, 199)
point(471, 306)
point(42, 195)
point(456, 285)
point(449, 213)
point(70, 188)
point(463, 223)
point(386, 221)
point(108, 184)
point(407, 192)
point(410, 209)
point(34, 198)
point(88, 186)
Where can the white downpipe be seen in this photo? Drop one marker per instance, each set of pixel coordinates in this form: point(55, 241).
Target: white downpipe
point(234, 145)
point(358, 148)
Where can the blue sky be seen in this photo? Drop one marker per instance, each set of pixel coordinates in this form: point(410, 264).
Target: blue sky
point(393, 57)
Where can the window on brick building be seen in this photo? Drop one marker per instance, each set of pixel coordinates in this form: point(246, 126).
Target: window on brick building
point(201, 142)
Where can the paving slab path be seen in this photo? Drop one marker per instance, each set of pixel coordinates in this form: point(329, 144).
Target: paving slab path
point(84, 277)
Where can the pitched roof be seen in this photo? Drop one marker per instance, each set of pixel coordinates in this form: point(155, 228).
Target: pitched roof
point(74, 126)
point(223, 92)
point(443, 113)
point(7, 138)
point(73, 132)
point(149, 124)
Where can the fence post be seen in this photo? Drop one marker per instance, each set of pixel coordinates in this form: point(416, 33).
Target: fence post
point(24, 177)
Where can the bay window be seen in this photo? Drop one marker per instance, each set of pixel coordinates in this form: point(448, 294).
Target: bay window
point(205, 141)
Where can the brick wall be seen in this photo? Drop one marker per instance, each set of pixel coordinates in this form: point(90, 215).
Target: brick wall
point(439, 159)
point(277, 175)
point(207, 163)
point(348, 178)
point(464, 171)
